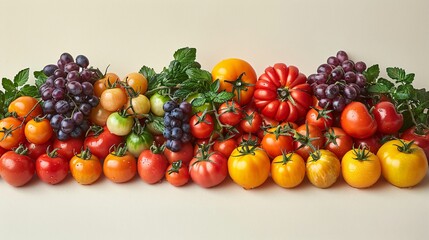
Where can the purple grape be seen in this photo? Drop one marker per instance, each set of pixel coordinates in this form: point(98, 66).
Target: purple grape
point(350, 92)
point(186, 127)
point(337, 74)
point(186, 137)
point(167, 132)
point(72, 105)
point(348, 65)
point(186, 107)
point(175, 145)
point(82, 61)
point(169, 106)
point(59, 73)
point(339, 103)
point(320, 78)
point(350, 77)
point(58, 94)
point(78, 117)
point(311, 78)
point(325, 102)
point(85, 108)
point(93, 101)
point(47, 93)
point(62, 106)
point(62, 136)
point(77, 132)
point(177, 113)
point(360, 67)
point(175, 123)
point(356, 87)
point(87, 88)
point(67, 125)
point(84, 125)
point(60, 82)
point(79, 98)
point(186, 118)
point(56, 121)
point(342, 56)
point(49, 70)
point(66, 58)
point(70, 67)
point(333, 61)
point(74, 88)
point(86, 75)
point(73, 76)
point(176, 133)
point(319, 91)
point(332, 91)
point(360, 80)
point(325, 68)
point(60, 64)
point(50, 81)
point(48, 106)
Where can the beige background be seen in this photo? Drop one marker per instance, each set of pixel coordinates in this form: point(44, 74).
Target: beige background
point(128, 34)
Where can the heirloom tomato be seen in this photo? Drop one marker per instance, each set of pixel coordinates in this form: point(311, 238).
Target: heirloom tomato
point(403, 163)
point(357, 122)
point(85, 167)
point(282, 93)
point(177, 174)
point(11, 133)
point(208, 169)
point(120, 165)
point(52, 168)
point(16, 168)
point(360, 168)
point(236, 76)
point(388, 120)
point(288, 170)
point(323, 168)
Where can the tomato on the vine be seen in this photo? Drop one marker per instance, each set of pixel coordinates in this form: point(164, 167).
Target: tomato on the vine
point(51, 167)
point(25, 106)
point(320, 117)
point(208, 169)
point(337, 141)
point(100, 141)
point(157, 102)
point(152, 164)
point(68, 148)
point(236, 76)
point(138, 106)
point(113, 99)
point(252, 121)
point(139, 140)
point(120, 165)
point(38, 130)
point(177, 174)
point(225, 146)
point(230, 113)
point(357, 122)
point(278, 140)
point(120, 124)
point(288, 170)
point(308, 138)
point(16, 168)
point(85, 167)
point(202, 125)
point(99, 115)
point(11, 133)
point(137, 81)
point(283, 93)
point(102, 84)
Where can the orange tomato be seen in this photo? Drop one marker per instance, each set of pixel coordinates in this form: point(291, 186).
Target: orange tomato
point(11, 133)
point(99, 115)
point(120, 166)
point(38, 131)
point(102, 84)
point(85, 168)
point(113, 99)
point(288, 170)
point(137, 81)
point(277, 140)
point(24, 106)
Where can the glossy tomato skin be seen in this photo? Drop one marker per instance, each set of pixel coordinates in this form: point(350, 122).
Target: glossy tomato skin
point(288, 171)
point(282, 93)
point(120, 168)
point(210, 171)
point(324, 171)
point(338, 142)
point(38, 131)
point(372, 143)
point(421, 140)
point(225, 147)
point(25, 105)
point(69, 147)
point(36, 150)
point(357, 122)
point(185, 154)
point(402, 168)
point(201, 126)
point(230, 113)
point(309, 132)
point(52, 169)
point(16, 169)
point(151, 166)
point(101, 145)
point(2, 151)
point(15, 137)
point(177, 174)
point(389, 121)
point(320, 118)
point(85, 170)
point(99, 115)
point(274, 145)
point(232, 72)
point(360, 173)
point(252, 121)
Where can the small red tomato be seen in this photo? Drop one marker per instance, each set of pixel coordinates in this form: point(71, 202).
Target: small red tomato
point(389, 121)
point(202, 125)
point(230, 113)
point(177, 174)
point(208, 170)
point(69, 147)
point(151, 165)
point(185, 154)
point(419, 136)
point(225, 146)
point(252, 121)
point(320, 117)
point(36, 150)
point(100, 141)
point(16, 168)
point(51, 167)
point(338, 142)
point(308, 138)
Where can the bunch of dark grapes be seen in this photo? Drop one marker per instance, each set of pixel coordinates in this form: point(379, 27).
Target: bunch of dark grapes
point(176, 120)
point(68, 95)
point(338, 82)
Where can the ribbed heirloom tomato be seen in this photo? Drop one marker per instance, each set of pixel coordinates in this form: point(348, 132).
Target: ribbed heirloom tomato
point(236, 76)
point(282, 93)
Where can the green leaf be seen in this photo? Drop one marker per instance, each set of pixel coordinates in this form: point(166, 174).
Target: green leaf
point(29, 90)
point(403, 92)
point(378, 88)
point(185, 55)
point(21, 77)
point(223, 97)
point(396, 73)
point(198, 102)
point(214, 87)
point(409, 78)
point(40, 78)
point(148, 72)
point(1, 100)
point(182, 93)
point(8, 85)
point(372, 73)
point(386, 83)
point(199, 74)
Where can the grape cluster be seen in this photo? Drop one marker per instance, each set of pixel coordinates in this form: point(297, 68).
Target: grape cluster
point(338, 82)
point(68, 95)
point(176, 120)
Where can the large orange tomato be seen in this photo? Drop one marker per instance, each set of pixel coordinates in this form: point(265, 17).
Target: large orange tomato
point(236, 76)
point(26, 106)
point(11, 133)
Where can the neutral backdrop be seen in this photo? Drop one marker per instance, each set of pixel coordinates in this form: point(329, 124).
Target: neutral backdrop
point(128, 34)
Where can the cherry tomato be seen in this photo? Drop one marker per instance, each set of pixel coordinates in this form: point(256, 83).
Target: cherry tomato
point(68, 148)
point(252, 121)
point(16, 168)
point(236, 76)
point(357, 122)
point(230, 113)
point(308, 138)
point(24, 106)
point(99, 115)
point(152, 165)
point(388, 120)
point(85, 167)
point(138, 106)
point(225, 146)
point(249, 139)
point(52, 168)
point(323, 168)
point(102, 84)
point(101, 141)
point(38, 130)
point(113, 99)
point(202, 126)
point(177, 174)
point(288, 170)
point(372, 143)
point(11, 133)
point(320, 117)
point(137, 81)
point(185, 154)
point(120, 165)
point(338, 142)
point(277, 140)
point(208, 170)
point(157, 102)
point(419, 136)
point(120, 124)
point(282, 93)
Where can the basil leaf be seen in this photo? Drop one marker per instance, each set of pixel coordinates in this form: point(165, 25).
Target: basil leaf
point(185, 55)
point(223, 97)
point(396, 73)
point(40, 78)
point(8, 85)
point(371, 74)
point(214, 87)
point(196, 73)
point(29, 90)
point(378, 88)
point(198, 102)
point(403, 92)
point(21, 77)
point(147, 72)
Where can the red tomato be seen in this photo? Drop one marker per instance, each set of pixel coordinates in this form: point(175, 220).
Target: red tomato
point(202, 126)
point(52, 168)
point(36, 150)
point(357, 122)
point(252, 121)
point(225, 146)
point(185, 154)
point(230, 113)
point(283, 93)
point(208, 170)
point(373, 143)
point(277, 140)
point(388, 120)
point(338, 142)
point(308, 138)
point(2, 150)
point(100, 141)
point(68, 148)
point(11, 133)
point(15, 168)
point(151, 165)
point(249, 139)
point(420, 137)
point(177, 174)
point(320, 117)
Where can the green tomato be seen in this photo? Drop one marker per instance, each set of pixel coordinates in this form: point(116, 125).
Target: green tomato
point(137, 143)
point(204, 107)
point(157, 104)
point(119, 125)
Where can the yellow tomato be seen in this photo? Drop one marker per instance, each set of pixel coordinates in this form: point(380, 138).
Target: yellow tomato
point(360, 168)
point(288, 170)
point(140, 105)
point(249, 168)
point(323, 168)
point(403, 163)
